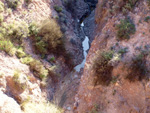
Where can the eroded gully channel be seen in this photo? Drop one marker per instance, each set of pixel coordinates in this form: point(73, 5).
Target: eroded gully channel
point(85, 43)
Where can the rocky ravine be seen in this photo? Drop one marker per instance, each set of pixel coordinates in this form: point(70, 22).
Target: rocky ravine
point(60, 90)
point(118, 84)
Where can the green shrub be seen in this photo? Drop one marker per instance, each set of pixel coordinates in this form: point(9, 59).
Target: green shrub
point(129, 4)
point(8, 47)
point(102, 68)
point(125, 29)
point(26, 60)
point(20, 53)
point(1, 6)
point(123, 51)
point(1, 18)
point(19, 30)
point(15, 31)
point(95, 109)
point(36, 66)
point(9, 11)
point(52, 59)
point(49, 38)
point(137, 68)
point(20, 80)
point(58, 8)
point(41, 47)
point(51, 33)
point(13, 3)
point(33, 29)
point(38, 69)
point(147, 19)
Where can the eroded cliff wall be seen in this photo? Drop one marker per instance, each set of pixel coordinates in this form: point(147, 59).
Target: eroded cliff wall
point(119, 82)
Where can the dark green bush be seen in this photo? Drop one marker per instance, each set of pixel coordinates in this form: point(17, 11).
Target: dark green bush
point(123, 51)
point(58, 8)
point(130, 4)
point(49, 38)
point(147, 19)
point(13, 3)
point(125, 29)
point(41, 47)
point(38, 69)
point(52, 59)
point(137, 68)
point(102, 68)
point(33, 29)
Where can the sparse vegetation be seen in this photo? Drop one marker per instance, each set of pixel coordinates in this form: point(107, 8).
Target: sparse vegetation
point(20, 53)
point(26, 60)
point(9, 11)
point(11, 34)
point(114, 79)
point(13, 3)
point(125, 29)
point(36, 66)
point(95, 109)
point(14, 31)
point(33, 29)
point(8, 47)
point(1, 6)
point(20, 80)
point(58, 8)
point(42, 107)
point(147, 19)
point(1, 18)
point(137, 68)
point(102, 68)
point(52, 59)
point(129, 4)
point(114, 92)
point(123, 51)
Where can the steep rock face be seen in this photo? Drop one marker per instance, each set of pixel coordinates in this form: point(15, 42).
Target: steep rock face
point(123, 95)
point(8, 104)
point(34, 91)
